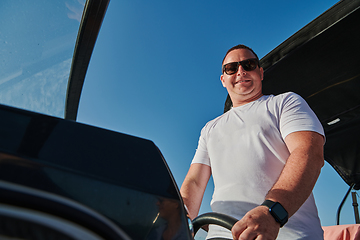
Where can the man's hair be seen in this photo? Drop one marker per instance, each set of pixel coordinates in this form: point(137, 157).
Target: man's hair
point(240, 46)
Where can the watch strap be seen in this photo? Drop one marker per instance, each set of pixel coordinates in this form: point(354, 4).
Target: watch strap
point(270, 204)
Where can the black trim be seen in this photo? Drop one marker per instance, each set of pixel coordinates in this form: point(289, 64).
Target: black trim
point(92, 18)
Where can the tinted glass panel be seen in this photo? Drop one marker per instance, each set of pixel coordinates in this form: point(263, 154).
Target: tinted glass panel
point(37, 40)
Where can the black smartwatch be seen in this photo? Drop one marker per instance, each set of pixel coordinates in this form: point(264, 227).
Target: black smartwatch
point(277, 211)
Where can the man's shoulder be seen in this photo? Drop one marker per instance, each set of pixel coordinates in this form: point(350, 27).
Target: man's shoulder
point(218, 121)
point(218, 118)
point(285, 97)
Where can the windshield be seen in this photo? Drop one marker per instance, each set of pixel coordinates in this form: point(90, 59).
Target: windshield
point(37, 40)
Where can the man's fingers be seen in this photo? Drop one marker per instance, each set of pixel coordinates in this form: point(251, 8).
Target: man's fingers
point(237, 229)
point(247, 234)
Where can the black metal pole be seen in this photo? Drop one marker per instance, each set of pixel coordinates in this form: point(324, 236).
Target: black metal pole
point(355, 205)
point(341, 205)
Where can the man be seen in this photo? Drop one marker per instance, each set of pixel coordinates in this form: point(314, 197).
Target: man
point(265, 155)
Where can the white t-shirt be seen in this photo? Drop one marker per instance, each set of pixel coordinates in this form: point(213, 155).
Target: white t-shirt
point(246, 151)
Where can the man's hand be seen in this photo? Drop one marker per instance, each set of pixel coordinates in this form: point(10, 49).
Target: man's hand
point(256, 224)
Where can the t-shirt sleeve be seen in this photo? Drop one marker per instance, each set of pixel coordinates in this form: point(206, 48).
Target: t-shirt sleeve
point(296, 115)
point(201, 154)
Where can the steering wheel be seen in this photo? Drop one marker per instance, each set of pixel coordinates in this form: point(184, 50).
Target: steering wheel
point(213, 218)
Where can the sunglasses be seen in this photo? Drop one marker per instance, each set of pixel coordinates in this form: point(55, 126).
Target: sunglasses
point(233, 67)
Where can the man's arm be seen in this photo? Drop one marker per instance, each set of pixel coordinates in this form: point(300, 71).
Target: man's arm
point(293, 187)
point(193, 187)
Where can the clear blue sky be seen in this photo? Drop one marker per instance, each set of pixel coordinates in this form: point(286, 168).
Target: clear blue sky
point(155, 74)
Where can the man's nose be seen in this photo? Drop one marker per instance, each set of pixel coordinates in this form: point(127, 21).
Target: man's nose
point(241, 71)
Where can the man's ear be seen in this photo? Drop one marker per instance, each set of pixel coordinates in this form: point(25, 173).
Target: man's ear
point(262, 73)
point(222, 80)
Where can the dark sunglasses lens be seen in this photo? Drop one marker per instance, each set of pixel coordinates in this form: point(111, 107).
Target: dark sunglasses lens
point(231, 68)
point(249, 64)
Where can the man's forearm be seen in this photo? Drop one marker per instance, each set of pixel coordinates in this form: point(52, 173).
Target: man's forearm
point(193, 188)
point(192, 203)
point(299, 175)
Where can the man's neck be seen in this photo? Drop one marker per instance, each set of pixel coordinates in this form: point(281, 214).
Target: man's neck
point(239, 102)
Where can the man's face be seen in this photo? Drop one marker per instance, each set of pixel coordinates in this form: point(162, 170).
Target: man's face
point(243, 86)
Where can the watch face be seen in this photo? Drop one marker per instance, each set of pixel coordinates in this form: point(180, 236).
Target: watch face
point(279, 211)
